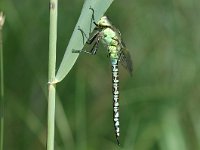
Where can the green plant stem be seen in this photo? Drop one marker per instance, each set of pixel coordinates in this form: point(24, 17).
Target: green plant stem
point(51, 76)
point(2, 18)
point(2, 93)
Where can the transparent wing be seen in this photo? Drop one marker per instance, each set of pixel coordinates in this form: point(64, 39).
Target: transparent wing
point(125, 59)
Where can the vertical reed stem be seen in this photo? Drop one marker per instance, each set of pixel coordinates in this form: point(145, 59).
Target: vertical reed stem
point(51, 75)
point(2, 19)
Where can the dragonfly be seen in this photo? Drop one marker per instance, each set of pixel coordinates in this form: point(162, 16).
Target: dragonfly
point(110, 36)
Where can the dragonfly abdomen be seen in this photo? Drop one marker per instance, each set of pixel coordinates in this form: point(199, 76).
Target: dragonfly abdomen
point(115, 83)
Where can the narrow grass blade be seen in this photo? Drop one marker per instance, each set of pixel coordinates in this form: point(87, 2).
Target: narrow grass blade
point(100, 7)
point(63, 126)
point(2, 19)
point(173, 132)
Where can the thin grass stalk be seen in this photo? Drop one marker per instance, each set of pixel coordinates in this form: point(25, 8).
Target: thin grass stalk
point(2, 19)
point(62, 124)
point(51, 76)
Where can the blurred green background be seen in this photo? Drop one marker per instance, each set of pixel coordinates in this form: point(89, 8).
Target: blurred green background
point(159, 105)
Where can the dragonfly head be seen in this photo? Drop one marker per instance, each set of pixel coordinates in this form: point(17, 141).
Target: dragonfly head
point(104, 22)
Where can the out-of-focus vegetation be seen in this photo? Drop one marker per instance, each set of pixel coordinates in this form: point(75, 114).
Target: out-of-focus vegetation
point(159, 105)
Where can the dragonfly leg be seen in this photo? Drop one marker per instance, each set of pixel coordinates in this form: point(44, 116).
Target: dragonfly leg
point(93, 37)
point(95, 46)
point(92, 19)
point(92, 51)
point(83, 34)
point(89, 40)
point(96, 36)
point(81, 51)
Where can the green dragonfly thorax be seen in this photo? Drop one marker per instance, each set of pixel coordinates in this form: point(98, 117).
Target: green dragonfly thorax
point(110, 37)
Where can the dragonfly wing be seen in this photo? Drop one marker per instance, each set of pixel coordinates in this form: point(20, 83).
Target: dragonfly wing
point(125, 59)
